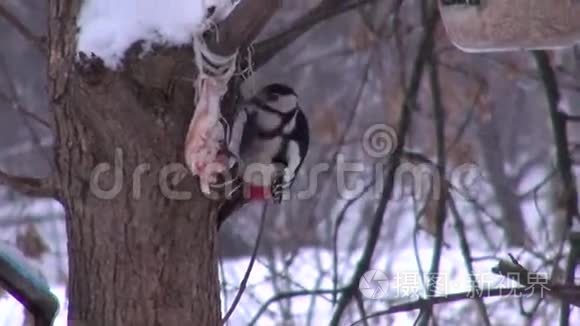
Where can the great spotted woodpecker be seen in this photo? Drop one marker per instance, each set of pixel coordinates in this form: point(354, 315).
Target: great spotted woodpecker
point(270, 137)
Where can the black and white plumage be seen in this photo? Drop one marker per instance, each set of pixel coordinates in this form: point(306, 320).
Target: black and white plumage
point(270, 138)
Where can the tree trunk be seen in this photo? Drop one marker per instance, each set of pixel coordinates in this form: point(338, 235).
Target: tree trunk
point(138, 254)
point(511, 213)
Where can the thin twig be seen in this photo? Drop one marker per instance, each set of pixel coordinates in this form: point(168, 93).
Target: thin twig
point(571, 264)
point(23, 30)
point(441, 208)
point(567, 291)
point(361, 308)
point(14, 100)
point(289, 295)
point(337, 225)
point(466, 253)
point(559, 121)
point(250, 266)
point(15, 103)
point(404, 123)
point(518, 273)
point(571, 118)
point(340, 143)
point(267, 49)
point(31, 187)
point(18, 221)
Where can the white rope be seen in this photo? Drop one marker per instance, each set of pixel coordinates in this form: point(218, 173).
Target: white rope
point(206, 151)
point(218, 68)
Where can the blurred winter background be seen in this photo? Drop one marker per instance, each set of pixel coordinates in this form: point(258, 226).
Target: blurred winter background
point(350, 73)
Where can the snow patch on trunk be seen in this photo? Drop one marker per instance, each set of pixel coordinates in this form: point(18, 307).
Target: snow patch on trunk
point(107, 28)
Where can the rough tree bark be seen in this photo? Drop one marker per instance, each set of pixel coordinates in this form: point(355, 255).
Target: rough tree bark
point(158, 253)
point(141, 257)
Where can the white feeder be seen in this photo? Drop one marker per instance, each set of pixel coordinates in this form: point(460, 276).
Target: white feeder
point(506, 25)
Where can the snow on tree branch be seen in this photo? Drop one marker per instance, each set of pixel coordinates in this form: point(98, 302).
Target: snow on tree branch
point(108, 28)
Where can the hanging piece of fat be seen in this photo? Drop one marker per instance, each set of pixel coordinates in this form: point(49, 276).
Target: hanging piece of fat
point(507, 25)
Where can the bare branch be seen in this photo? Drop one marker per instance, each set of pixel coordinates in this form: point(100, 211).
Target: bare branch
point(467, 257)
point(250, 266)
point(341, 141)
point(12, 98)
point(30, 186)
point(571, 118)
point(515, 271)
point(18, 221)
point(288, 295)
point(563, 157)
point(441, 204)
point(566, 291)
point(340, 218)
point(23, 30)
point(242, 26)
point(18, 106)
point(267, 49)
point(404, 123)
point(571, 265)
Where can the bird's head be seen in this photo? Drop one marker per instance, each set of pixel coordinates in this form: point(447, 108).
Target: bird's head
point(279, 97)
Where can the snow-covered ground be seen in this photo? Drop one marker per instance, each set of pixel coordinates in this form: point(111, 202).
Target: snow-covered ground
point(306, 274)
point(313, 269)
